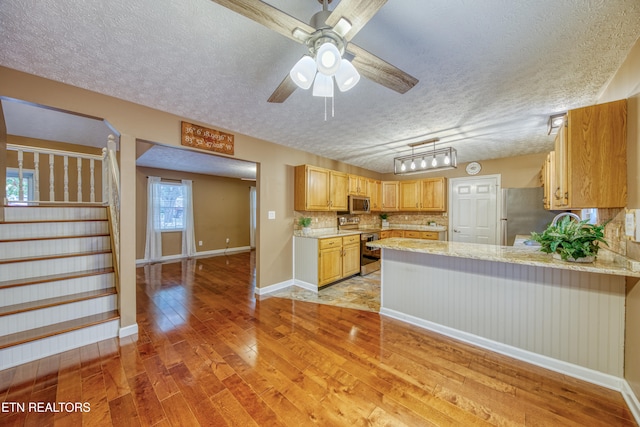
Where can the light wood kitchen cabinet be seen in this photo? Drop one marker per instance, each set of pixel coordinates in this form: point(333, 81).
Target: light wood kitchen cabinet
point(412, 234)
point(350, 255)
point(396, 233)
point(547, 177)
point(319, 262)
point(374, 192)
point(425, 195)
point(319, 189)
point(357, 185)
point(338, 182)
point(432, 235)
point(409, 196)
point(389, 195)
point(329, 260)
point(433, 194)
point(591, 158)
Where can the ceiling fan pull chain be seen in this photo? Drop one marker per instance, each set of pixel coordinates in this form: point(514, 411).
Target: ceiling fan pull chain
point(325, 108)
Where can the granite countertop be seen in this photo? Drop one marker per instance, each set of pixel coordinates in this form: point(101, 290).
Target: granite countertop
point(607, 263)
point(325, 233)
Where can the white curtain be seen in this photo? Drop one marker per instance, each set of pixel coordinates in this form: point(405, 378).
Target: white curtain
point(253, 216)
point(153, 246)
point(188, 235)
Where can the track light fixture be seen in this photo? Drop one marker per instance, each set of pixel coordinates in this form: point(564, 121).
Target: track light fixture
point(441, 158)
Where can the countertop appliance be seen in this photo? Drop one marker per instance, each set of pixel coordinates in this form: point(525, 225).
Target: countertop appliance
point(522, 213)
point(369, 257)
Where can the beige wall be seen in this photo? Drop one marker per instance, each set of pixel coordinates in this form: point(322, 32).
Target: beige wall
point(221, 210)
point(626, 84)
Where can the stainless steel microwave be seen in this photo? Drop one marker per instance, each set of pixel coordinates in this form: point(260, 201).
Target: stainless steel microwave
point(358, 205)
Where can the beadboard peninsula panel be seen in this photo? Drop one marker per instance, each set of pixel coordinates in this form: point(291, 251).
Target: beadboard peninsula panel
point(573, 316)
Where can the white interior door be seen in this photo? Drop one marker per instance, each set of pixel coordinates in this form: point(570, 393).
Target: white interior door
point(473, 209)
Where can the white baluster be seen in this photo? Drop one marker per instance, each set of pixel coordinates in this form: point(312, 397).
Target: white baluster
point(104, 175)
point(52, 192)
point(36, 177)
point(92, 167)
point(66, 178)
point(20, 176)
point(79, 160)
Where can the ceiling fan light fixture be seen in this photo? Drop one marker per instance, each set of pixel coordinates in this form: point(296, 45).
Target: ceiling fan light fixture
point(304, 72)
point(328, 59)
point(323, 86)
point(347, 76)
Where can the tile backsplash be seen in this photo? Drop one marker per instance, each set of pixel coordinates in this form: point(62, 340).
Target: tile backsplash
point(323, 220)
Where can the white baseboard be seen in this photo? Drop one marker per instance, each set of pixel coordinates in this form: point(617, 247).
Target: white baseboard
point(632, 400)
point(580, 372)
point(306, 285)
point(128, 330)
point(215, 252)
point(273, 288)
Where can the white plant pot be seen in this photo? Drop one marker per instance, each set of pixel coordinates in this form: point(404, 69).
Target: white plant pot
point(585, 259)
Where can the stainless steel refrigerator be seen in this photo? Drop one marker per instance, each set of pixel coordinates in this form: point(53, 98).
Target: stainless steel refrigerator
point(522, 213)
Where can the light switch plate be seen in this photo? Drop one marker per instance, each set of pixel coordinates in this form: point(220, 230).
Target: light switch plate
point(271, 215)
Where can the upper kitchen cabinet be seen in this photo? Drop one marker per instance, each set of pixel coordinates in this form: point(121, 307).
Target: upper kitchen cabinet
point(374, 192)
point(389, 195)
point(357, 185)
point(433, 194)
point(409, 196)
point(547, 179)
point(591, 158)
point(318, 189)
point(424, 195)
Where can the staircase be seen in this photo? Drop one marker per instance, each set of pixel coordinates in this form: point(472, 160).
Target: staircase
point(57, 281)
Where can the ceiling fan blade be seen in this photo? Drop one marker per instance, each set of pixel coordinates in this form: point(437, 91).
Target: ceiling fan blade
point(380, 71)
point(270, 17)
point(283, 91)
point(357, 12)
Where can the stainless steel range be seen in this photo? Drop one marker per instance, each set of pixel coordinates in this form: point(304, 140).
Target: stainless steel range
point(369, 257)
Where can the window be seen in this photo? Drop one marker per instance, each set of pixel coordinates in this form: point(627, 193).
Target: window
point(171, 207)
point(13, 186)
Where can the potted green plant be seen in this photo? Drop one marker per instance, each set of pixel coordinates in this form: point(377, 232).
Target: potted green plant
point(383, 217)
point(305, 223)
point(570, 240)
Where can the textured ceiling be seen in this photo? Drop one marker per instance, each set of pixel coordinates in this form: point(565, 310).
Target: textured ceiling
point(490, 71)
point(163, 157)
point(33, 121)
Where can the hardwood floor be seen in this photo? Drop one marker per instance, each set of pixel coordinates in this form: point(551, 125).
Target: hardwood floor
point(209, 353)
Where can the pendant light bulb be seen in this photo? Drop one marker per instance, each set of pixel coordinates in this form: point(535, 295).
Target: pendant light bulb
point(447, 159)
point(403, 167)
point(434, 162)
point(423, 163)
point(413, 165)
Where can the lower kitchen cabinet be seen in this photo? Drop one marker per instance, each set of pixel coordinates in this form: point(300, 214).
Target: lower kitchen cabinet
point(319, 262)
point(414, 234)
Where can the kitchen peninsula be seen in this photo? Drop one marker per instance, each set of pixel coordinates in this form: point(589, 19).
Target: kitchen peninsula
point(569, 317)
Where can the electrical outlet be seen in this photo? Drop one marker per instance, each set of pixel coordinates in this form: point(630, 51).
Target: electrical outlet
point(228, 240)
point(199, 242)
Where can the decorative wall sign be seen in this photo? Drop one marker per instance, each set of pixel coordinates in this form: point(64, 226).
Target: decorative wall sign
point(207, 139)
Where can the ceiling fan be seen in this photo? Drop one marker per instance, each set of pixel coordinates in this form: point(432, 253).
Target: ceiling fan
point(335, 28)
